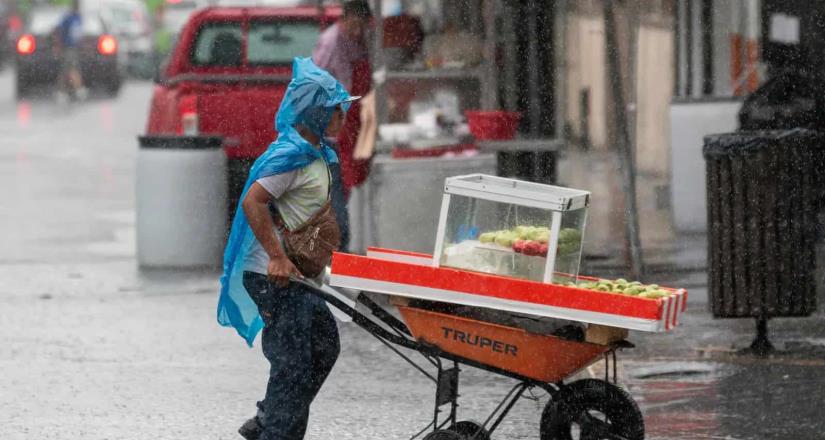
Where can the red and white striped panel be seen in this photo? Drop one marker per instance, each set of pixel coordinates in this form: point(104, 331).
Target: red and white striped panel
point(400, 256)
point(412, 275)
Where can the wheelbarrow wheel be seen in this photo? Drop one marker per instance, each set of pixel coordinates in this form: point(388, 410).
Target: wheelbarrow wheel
point(470, 430)
point(592, 409)
point(443, 434)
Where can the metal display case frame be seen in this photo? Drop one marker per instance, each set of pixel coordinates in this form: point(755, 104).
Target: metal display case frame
point(517, 192)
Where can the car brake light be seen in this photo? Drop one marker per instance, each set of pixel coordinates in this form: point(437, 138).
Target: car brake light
point(26, 45)
point(188, 108)
point(106, 45)
point(15, 24)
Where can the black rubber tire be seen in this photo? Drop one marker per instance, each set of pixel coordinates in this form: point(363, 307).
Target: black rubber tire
point(468, 430)
point(581, 397)
point(112, 87)
point(22, 89)
point(443, 434)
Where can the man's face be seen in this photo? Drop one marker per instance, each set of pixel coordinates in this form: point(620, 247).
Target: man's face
point(335, 123)
point(354, 27)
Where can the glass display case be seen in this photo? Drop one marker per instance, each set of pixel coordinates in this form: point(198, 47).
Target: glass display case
point(511, 228)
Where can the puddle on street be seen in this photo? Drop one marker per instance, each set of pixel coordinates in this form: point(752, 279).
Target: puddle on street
point(693, 400)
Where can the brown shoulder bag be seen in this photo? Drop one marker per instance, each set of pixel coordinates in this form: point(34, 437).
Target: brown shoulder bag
point(310, 246)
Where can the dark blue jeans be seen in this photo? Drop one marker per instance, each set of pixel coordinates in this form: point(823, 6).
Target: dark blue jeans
point(300, 340)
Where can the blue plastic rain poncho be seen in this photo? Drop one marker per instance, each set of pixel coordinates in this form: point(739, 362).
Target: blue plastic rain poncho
point(310, 100)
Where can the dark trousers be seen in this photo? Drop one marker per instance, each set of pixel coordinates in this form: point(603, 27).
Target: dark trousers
point(300, 340)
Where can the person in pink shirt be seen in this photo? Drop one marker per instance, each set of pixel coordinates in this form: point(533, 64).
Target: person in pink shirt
point(342, 51)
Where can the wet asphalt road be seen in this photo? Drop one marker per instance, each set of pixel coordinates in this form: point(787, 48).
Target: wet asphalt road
point(93, 348)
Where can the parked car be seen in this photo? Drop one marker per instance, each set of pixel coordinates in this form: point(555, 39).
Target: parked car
point(38, 62)
point(228, 73)
point(130, 22)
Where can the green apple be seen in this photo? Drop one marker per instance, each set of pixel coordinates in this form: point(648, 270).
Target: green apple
point(523, 232)
point(632, 291)
point(487, 237)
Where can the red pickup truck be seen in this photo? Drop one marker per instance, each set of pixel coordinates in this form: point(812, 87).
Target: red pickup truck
point(229, 71)
point(228, 74)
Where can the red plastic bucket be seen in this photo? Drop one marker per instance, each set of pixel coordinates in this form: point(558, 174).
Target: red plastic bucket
point(493, 125)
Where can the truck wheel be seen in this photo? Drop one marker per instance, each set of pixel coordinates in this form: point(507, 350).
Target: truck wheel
point(112, 86)
point(592, 409)
point(22, 88)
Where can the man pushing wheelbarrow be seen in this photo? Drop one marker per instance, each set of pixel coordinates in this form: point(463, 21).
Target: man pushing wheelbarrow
point(501, 291)
point(285, 229)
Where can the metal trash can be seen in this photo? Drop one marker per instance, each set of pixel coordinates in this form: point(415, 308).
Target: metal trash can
point(763, 198)
point(181, 201)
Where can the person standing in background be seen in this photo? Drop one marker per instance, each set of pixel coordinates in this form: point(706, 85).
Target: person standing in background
point(69, 32)
point(342, 51)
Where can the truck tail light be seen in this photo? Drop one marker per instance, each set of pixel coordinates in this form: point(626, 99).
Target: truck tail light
point(106, 45)
point(26, 45)
point(188, 110)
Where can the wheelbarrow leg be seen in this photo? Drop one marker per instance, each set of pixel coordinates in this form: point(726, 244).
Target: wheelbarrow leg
point(454, 396)
point(446, 392)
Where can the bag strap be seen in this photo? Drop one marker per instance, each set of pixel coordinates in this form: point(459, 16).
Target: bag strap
point(329, 181)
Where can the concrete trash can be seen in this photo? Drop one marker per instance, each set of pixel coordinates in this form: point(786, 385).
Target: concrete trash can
point(181, 201)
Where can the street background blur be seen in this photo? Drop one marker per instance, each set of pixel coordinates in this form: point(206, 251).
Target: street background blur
point(94, 347)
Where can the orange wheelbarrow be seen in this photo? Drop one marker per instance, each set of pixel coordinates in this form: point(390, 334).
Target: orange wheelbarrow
point(586, 409)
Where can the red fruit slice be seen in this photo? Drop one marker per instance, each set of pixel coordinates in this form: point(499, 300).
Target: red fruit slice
point(543, 249)
point(532, 248)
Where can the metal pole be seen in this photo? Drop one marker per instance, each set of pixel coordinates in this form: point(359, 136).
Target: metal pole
point(378, 61)
point(533, 69)
point(559, 67)
point(631, 213)
point(509, 53)
point(489, 90)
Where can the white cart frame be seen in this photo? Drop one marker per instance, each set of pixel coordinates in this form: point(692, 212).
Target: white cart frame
point(499, 189)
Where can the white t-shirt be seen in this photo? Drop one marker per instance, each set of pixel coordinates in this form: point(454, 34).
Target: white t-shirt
point(297, 195)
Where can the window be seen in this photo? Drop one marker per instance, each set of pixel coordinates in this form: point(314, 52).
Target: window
point(92, 25)
point(127, 19)
point(717, 52)
point(274, 43)
point(45, 21)
point(218, 44)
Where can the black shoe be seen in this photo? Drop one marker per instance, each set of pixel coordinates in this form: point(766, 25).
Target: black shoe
point(251, 429)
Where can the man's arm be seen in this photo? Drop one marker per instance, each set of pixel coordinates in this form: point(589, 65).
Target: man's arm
point(256, 208)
